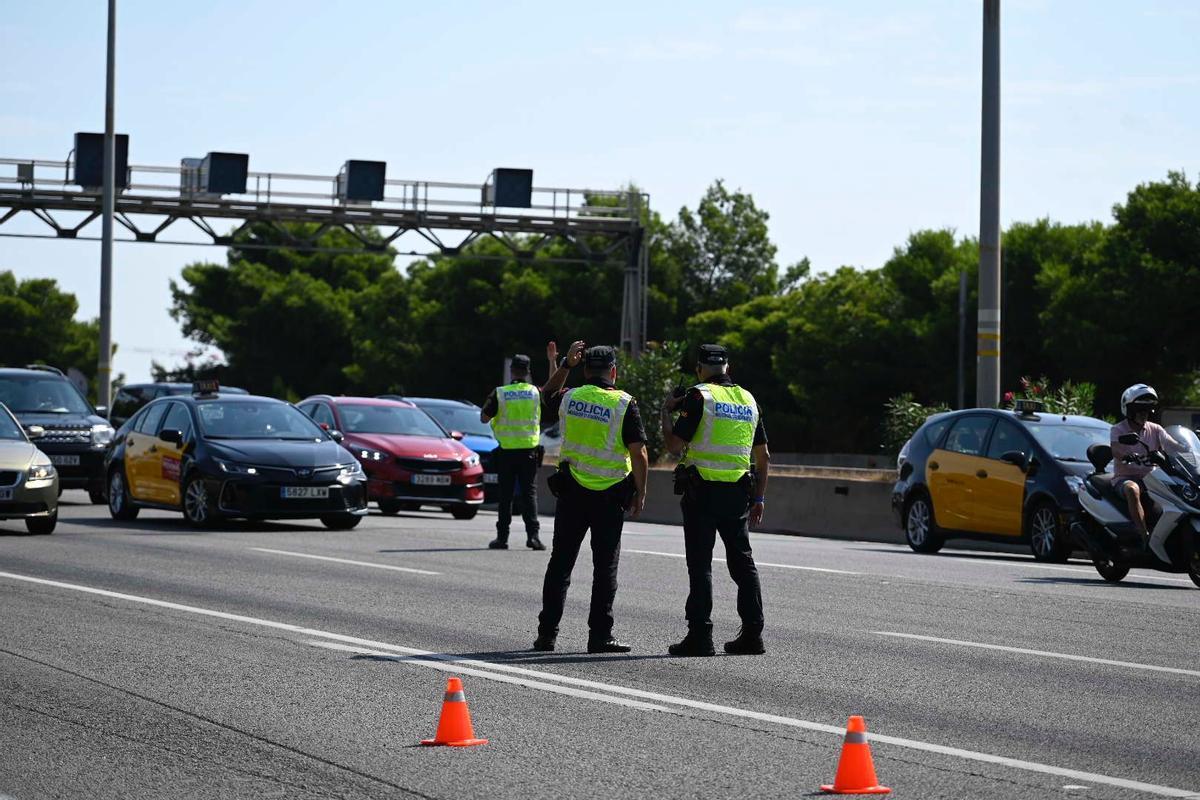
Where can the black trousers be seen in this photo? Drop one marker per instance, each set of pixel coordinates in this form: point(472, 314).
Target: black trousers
point(578, 510)
point(517, 467)
point(710, 509)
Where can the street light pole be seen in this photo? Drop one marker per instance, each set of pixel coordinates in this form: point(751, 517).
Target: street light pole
point(104, 372)
point(987, 375)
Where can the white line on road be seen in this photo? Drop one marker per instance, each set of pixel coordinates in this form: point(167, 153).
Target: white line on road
point(756, 562)
point(345, 561)
point(911, 744)
point(1048, 654)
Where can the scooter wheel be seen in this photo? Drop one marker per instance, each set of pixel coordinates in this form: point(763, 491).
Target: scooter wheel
point(1194, 567)
point(1110, 570)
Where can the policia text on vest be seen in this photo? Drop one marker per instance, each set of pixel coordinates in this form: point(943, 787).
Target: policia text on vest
point(601, 476)
point(725, 460)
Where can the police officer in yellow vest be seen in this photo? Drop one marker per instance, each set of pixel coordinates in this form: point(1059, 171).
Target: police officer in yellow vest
point(720, 433)
point(601, 476)
point(515, 414)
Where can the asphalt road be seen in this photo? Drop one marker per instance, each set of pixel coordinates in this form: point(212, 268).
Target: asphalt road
point(148, 660)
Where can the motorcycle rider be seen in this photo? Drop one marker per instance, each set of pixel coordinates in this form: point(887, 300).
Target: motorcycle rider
point(1138, 402)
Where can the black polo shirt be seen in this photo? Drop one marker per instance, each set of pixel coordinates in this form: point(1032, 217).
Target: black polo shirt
point(693, 407)
point(632, 430)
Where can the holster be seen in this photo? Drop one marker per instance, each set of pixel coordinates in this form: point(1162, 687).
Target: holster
point(688, 480)
point(561, 481)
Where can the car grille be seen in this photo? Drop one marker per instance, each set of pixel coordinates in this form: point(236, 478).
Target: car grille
point(72, 434)
point(287, 474)
point(8, 478)
point(428, 465)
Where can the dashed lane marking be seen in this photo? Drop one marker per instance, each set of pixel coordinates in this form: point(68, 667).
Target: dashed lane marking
point(344, 561)
point(491, 669)
point(756, 562)
point(1044, 653)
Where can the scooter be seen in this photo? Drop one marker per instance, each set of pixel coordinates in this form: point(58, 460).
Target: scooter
point(1171, 503)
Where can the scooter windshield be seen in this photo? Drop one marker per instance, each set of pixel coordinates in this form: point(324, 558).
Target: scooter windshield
point(1189, 448)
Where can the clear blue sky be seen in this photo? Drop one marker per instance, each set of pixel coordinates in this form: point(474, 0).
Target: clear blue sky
point(852, 123)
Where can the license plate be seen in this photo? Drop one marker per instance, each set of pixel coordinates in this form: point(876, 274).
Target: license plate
point(431, 480)
point(6, 494)
point(303, 492)
point(65, 461)
point(491, 477)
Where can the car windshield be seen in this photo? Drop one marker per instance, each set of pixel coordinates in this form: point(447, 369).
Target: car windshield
point(1068, 442)
point(397, 420)
point(9, 428)
point(256, 420)
point(41, 395)
point(459, 418)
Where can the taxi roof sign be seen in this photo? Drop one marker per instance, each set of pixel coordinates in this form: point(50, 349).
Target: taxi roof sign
point(210, 386)
point(1025, 406)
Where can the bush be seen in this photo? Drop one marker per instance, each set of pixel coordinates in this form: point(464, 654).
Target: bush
point(650, 378)
point(1070, 398)
point(902, 416)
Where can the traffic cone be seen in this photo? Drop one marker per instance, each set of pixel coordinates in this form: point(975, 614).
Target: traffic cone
point(454, 726)
point(856, 770)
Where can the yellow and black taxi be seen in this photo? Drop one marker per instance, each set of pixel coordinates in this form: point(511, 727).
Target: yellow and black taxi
point(215, 455)
point(996, 475)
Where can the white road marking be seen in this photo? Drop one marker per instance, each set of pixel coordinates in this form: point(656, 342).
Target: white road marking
point(756, 562)
point(1046, 653)
point(344, 561)
point(911, 744)
point(1021, 564)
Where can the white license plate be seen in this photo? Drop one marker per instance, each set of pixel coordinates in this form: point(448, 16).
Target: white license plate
point(431, 480)
point(5, 494)
point(491, 477)
point(65, 461)
point(303, 492)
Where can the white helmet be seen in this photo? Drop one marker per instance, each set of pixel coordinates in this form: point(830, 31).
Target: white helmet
point(1140, 394)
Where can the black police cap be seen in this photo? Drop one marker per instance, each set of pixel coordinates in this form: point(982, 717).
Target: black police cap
point(713, 354)
point(599, 357)
point(519, 361)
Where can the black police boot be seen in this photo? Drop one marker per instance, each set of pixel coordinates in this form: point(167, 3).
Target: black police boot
point(498, 543)
point(544, 643)
point(694, 644)
point(748, 643)
point(609, 645)
point(534, 543)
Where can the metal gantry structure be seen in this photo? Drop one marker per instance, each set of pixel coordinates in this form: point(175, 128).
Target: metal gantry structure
point(443, 218)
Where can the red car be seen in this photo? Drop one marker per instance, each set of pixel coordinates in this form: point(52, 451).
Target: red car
point(409, 459)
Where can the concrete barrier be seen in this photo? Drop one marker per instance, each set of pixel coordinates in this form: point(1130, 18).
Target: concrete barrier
point(836, 508)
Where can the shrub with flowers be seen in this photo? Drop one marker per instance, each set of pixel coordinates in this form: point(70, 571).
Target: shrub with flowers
point(1068, 398)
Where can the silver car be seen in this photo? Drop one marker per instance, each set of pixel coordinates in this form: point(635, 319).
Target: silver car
point(28, 481)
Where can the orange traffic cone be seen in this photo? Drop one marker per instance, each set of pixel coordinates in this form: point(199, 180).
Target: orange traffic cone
point(454, 727)
point(856, 770)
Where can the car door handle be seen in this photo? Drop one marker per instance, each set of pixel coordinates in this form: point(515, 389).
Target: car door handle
point(982, 473)
point(933, 465)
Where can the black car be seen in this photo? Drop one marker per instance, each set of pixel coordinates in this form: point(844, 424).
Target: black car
point(998, 475)
point(132, 396)
point(213, 455)
point(75, 435)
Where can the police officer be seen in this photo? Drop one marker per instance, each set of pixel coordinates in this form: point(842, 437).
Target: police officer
point(514, 412)
point(719, 431)
point(601, 475)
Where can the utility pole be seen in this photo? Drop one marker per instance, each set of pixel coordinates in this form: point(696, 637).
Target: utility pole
point(987, 374)
point(962, 339)
point(104, 373)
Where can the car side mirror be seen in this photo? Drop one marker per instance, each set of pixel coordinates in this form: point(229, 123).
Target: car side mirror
point(324, 426)
point(102, 411)
point(171, 435)
point(456, 435)
point(1016, 458)
point(335, 435)
point(1128, 438)
point(35, 431)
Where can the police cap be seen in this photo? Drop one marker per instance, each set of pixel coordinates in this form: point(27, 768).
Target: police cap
point(520, 361)
point(599, 357)
point(713, 354)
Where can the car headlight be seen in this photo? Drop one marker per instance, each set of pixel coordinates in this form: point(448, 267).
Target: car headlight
point(40, 475)
point(102, 435)
point(351, 472)
point(1074, 483)
point(233, 468)
point(370, 455)
point(471, 460)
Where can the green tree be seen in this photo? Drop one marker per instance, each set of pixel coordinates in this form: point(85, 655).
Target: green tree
point(649, 378)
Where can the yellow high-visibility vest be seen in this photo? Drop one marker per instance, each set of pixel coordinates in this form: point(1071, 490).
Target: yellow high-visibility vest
point(724, 439)
point(517, 424)
point(592, 444)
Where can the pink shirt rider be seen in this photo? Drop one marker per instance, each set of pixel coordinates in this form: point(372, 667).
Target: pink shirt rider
point(1155, 437)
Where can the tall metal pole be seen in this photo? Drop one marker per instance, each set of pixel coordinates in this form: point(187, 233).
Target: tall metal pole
point(987, 373)
point(104, 373)
point(962, 339)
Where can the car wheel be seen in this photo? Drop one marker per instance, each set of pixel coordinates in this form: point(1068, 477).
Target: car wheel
point(1047, 539)
point(389, 507)
point(198, 507)
point(464, 512)
point(340, 522)
point(120, 504)
point(1110, 570)
point(42, 525)
point(97, 497)
point(920, 530)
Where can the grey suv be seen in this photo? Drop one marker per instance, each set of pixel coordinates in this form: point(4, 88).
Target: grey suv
point(75, 434)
